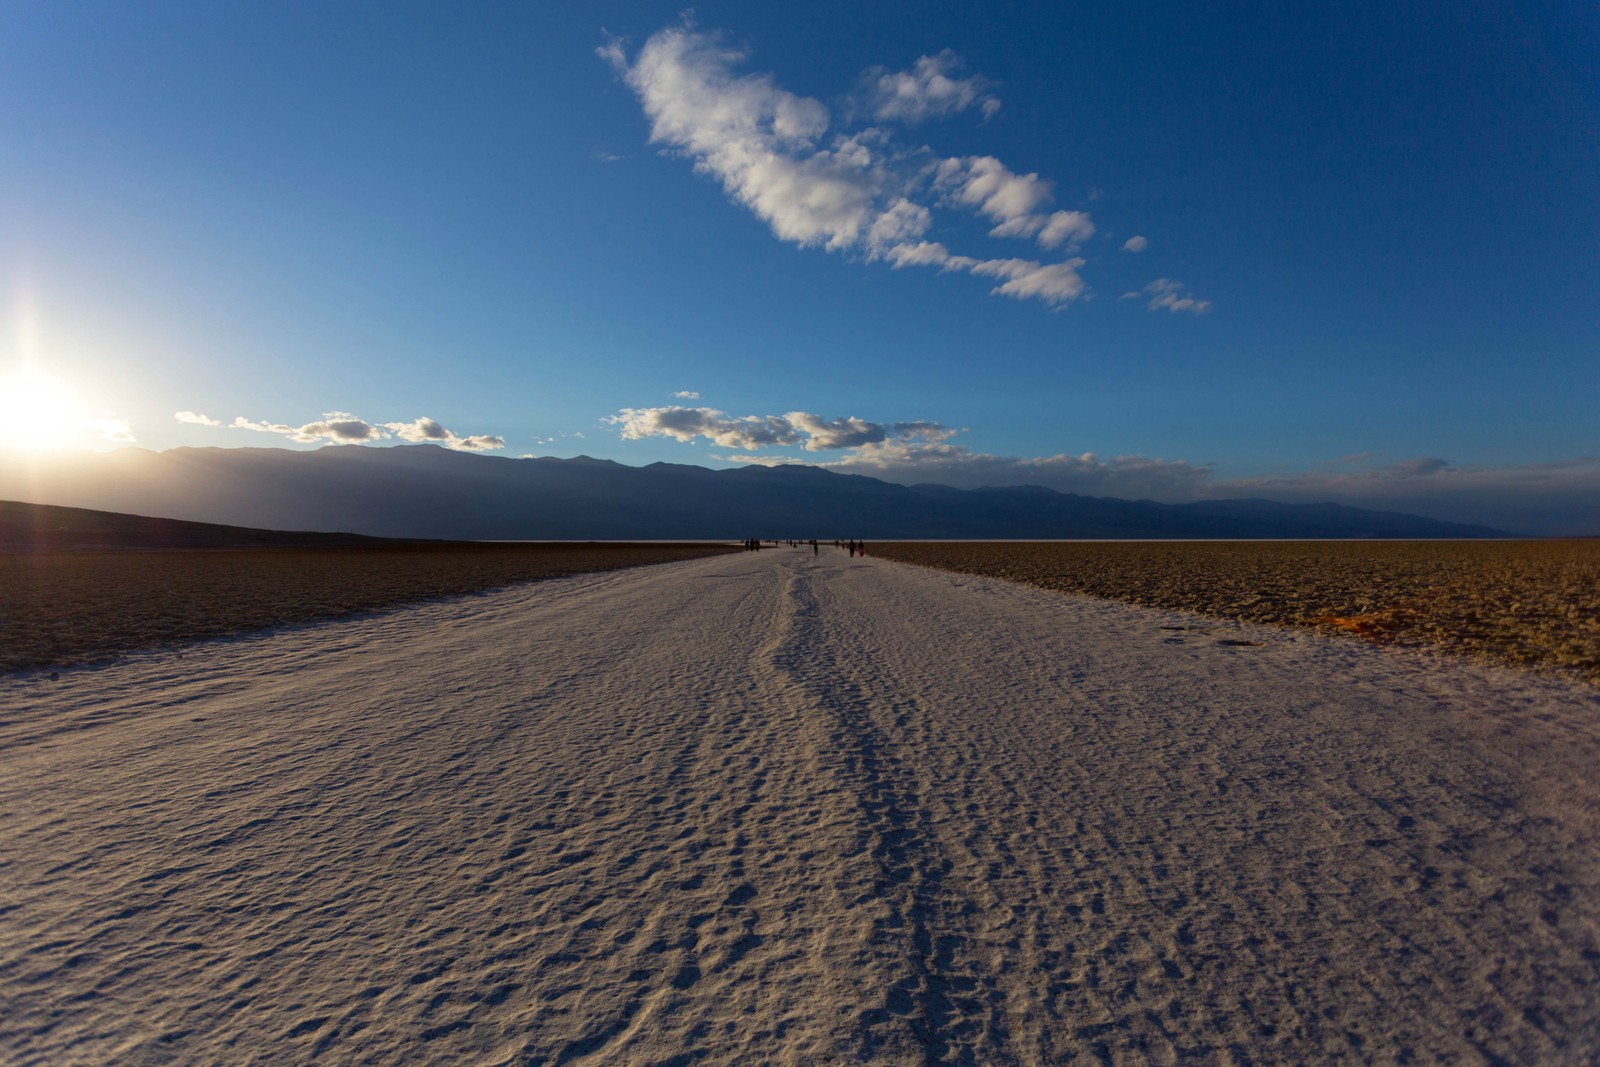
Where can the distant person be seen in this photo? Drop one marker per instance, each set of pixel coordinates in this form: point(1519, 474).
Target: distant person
point(861, 549)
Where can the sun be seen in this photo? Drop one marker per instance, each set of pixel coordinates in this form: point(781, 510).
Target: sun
point(37, 413)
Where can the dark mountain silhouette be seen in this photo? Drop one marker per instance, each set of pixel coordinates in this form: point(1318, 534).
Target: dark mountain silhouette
point(45, 527)
point(423, 491)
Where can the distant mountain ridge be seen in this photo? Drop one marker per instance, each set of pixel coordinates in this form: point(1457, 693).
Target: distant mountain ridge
point(424, 491)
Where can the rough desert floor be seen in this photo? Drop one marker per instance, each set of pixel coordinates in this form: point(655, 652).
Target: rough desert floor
point(775, 808)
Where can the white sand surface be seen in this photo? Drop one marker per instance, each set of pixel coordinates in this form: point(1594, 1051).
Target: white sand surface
point(766, 808)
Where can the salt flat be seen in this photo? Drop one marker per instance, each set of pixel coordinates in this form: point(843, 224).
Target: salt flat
point(777, 808)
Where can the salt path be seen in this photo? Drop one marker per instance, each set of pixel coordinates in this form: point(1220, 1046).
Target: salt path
point(777, 808)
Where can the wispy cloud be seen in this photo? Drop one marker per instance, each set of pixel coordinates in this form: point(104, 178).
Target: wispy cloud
point(860, 192)
point(954, 464)
point(337, 427)
point(814, 433)
point(687, 394)
point(1167, 295)
point(930, 89)
point(1135, 243)
point(1012, 201)
point(343, 428)
point(109, 427)
point(425, 430)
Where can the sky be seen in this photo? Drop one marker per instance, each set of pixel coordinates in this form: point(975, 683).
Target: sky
point(1173, 251)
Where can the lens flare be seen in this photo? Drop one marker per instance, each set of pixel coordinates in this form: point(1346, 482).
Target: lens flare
point(36, 413)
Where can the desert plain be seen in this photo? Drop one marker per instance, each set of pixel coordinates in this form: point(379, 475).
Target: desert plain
point(785, 807)
point(83, 606)
point(1523, 603)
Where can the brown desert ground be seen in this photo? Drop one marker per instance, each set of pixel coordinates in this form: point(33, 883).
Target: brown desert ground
point(1529, 604)
point(59, 608)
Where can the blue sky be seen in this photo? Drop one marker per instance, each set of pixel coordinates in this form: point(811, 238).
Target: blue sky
point(1309, 251)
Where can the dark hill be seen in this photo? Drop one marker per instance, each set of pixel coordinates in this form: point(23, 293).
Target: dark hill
point(43, 527)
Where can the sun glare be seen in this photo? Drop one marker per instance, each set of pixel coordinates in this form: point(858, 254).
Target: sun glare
point(36, 413)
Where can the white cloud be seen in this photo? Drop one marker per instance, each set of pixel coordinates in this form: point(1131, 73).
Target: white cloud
point(759, 140)
point(425, 430)
point(928, 90)
point(687, 394)
point(1135, 243)
point(1065, 227)
point(111, 428)
point(1132, 477)
point(1054, 283)
point(1168, 295)
point(762, 461)
point(343, 428)
point(686, 424)
point(989, 187)
point(339, 427)
point(825, 435)
point(855, 193)
point(1011, 200)
point(927, 254)
point(750, 432)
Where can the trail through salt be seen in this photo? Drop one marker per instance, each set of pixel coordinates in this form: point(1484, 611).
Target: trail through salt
point(779, 808)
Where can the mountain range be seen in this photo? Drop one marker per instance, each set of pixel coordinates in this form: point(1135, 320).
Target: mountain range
point(424, 491)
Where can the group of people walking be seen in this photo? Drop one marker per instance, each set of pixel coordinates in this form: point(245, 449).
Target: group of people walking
point(857, 548)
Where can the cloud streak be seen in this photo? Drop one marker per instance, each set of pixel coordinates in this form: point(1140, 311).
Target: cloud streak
point(1085, 472)
point(343, 428)
point(1167, 295)
point(856, 193)
point(929, 90)
point(425, 431)
point(109, 427)
point(802, 429)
